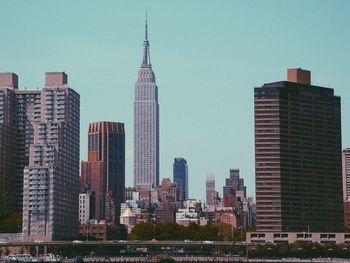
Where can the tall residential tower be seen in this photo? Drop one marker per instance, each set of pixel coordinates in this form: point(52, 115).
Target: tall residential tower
point(51, 179)
point(298, 156)
point(146, 124)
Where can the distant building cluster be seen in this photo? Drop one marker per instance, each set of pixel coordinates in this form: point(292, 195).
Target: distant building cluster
point(302, 175)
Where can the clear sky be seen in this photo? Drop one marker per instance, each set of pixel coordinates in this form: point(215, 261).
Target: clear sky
point(207, 56)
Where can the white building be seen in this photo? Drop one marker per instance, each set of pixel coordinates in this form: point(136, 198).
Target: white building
point(188, 214)
point(84, 207)
point(128, 219)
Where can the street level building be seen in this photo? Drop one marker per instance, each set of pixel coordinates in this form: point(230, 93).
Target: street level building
point(298, 156)
point(146, 124)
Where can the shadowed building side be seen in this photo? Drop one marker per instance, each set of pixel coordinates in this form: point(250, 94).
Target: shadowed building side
point(8, 127)
point(298, 156)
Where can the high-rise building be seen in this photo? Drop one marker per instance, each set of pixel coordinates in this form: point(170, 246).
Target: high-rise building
point(18, 110)
point(180, 177)
point(51, 180)
point(234, 189)
point(28, 110)
point(104, 172)
point(211, 194)
point(298, 156)
point(8, 133)
point(168, 192)
point(146, 124)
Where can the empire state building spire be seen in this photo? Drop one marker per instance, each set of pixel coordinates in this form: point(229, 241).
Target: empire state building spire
point(146, 124)
point(146, 63)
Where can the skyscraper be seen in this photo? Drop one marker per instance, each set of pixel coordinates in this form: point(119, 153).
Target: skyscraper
point(180, 177)
point(298, 156)
point(8, 124)
point(51, 180)
point(146, 124)
point(28, 110)
point(18, 110)
point(104, 172)
point(234, 189)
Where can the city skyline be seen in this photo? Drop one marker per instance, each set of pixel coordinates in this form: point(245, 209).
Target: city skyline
point(207, 64)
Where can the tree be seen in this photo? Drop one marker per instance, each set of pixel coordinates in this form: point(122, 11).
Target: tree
point(11, 223)
point(142, 231)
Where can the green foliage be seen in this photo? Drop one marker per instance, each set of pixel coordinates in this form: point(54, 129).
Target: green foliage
point(11, 223)
point(169, 231)
point(116, 232)
point(142, 231)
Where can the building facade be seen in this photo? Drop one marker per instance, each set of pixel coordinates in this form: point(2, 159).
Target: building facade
point(104, 172)
point(18, 110)
point(8, 127)
point(211, 194)
point(86, 207)
point(146, 124)
point(180, 177)
point(298, 156)
point(234, 189)
point(346, 185)
point(28, 111)
point(51, 180)
point(346, 174)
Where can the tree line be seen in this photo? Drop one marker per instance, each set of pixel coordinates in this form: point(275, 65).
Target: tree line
point(195, 232)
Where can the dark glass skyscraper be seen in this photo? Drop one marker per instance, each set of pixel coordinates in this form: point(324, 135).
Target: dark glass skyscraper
point(180, 177)
point(298, 156)
point(104, 172)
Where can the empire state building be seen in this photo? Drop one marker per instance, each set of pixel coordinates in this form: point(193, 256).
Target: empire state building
point(146, 124)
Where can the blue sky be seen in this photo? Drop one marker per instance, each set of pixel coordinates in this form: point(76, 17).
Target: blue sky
point(207, 56)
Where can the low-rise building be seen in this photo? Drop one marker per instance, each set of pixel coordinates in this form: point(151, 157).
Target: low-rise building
point(128, 218)
point(95, 229)
point(291, 237)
